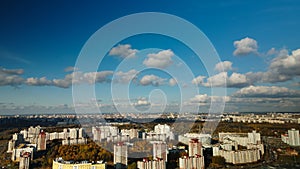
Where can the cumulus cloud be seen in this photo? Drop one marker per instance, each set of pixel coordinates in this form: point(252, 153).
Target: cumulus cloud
point(123, 51)
point(82, 78)
point(198, 80)
point(223, 80)
point(43, 81)
point(141, 102)
point(282, 68)
point(266, 91)
point(172, 82)
point(272, 51)
point(63, 83)
point(126, 77)
point(287, 65)
point(11, 71)
point(11, 77)
point(70, 69)
point(204, 98)
point(200, 98)
point(223, 66)
point(245, 46)
point(161, 59)
point(152, 80)
point(96, 77)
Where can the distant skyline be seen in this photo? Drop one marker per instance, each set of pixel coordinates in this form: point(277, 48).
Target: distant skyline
point(258, 44)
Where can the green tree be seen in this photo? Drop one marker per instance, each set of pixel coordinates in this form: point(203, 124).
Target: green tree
point(132, 166)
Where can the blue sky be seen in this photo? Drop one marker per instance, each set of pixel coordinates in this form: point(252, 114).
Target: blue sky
point(257, 42)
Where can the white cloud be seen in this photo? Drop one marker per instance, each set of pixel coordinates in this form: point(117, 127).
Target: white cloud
point(83, 78)
point(11, 71)
point(198, 80)
point(62, 83)
point(126, 77)
point(96, 77)
point(141, 102)
point(238, 80)
point(223, 80)
point(223, 66)
point(217, 80)
point(11, 77)
point(172, 82)
point(272, 51)
point(266, 91)
point(288, 65)
point(70, 69)
point(123, 51)
point(282, 68)
point(43, 81)
point(161, 59)
point(152, 80)
point(200, 98)
point(204, 98)
point(245, 46)
point(220, 98)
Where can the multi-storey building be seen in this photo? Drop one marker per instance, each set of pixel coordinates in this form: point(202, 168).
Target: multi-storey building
point(16, 153)
point(160, 150)
point(252, 151)
point(157, 163)
point(24, 160)
point(42, 142)
point(120, 153)
point(195, 159)
point(193, 162)
point(59, 163)
point(103, 132)
point(195, 148)
point(131, 133)
point(292, 138)
point(205, 139)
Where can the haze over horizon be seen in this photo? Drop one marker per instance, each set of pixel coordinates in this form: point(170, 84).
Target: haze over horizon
point(257, 42)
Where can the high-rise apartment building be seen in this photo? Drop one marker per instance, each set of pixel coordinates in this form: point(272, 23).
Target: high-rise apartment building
point(120, 153)
point(160, 150)
point(195, 147)
point(294, 137)
point(42, 142)
point(24, 160)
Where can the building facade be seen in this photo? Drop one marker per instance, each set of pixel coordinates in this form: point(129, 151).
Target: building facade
point(25, 160)
point(42, 142)
point(195, 147)
point(59, 163)
point(154, 164)
point(251, 151)
point(121, 153)
point(160, 150)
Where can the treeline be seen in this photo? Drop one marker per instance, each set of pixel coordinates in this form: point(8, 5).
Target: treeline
point(83, 152)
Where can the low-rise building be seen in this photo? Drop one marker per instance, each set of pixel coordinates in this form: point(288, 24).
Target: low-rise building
point(157, 163)
point(59, 163)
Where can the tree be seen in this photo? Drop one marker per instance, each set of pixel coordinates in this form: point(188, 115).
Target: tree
point(132, 166)
point(218, 160)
